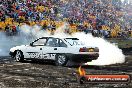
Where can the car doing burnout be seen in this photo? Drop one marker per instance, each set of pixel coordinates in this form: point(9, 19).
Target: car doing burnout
point(59, 50)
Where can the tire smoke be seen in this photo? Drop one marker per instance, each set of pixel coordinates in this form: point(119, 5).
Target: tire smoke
point(108, 53)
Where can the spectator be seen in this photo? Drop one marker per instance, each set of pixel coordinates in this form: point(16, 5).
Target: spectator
point(82, 15)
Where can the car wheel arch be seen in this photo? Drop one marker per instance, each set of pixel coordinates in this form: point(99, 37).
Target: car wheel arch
point(18, 50)
point(22, 58)
point(67, 58)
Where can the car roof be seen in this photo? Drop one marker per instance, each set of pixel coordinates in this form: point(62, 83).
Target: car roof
point(60, 38)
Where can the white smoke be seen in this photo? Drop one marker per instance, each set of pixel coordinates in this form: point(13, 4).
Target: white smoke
point(108, 53)
point(7, 41)
point(4, 43)
point(34, 31)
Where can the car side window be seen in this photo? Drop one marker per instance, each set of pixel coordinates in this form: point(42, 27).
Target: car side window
point(40, 42)
point(62, 44)
point(53, 42)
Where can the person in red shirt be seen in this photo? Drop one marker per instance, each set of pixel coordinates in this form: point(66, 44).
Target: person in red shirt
point(13, 28)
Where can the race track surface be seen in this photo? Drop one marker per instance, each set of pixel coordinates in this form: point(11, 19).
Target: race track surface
point(45, 74)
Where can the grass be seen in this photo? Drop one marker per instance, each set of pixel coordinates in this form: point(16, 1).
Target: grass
point(122, 43)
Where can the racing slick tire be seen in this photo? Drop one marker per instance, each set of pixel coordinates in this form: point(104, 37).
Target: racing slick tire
point(19, 56)
point(61, 60)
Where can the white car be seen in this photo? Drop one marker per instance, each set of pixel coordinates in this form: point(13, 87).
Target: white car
point(59, 50)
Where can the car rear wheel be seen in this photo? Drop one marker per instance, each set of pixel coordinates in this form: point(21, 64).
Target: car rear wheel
point(19, 56)
point(61, 60)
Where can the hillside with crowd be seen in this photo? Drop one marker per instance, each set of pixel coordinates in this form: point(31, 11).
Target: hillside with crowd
point(108, 18)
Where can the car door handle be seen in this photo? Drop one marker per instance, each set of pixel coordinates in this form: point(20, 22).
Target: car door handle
point(40, 48)
point(55, 48)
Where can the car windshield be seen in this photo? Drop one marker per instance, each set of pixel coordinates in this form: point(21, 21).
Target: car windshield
point(74, 41)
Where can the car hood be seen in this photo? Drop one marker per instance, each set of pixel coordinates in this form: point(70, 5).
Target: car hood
point(18, 48)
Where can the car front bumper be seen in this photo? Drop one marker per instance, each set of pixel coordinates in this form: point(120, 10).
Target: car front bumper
point(11, 53)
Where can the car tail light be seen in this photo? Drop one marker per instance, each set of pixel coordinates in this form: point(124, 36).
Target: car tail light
point(83, 50)
point(86, 50)
point(96, 49)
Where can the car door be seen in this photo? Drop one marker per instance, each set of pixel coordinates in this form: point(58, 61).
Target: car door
point(53, 47)
point(50, 48)
point(34, 50)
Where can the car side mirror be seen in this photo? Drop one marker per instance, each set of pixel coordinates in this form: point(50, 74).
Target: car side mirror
point(31, 44)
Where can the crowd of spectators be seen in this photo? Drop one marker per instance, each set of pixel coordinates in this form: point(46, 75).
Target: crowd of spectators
point(108, 18)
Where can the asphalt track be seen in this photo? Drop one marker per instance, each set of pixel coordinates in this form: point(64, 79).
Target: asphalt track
point(46, 74)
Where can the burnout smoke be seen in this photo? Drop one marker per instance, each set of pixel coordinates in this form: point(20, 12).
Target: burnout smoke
point(109, 53)
point(7, 42)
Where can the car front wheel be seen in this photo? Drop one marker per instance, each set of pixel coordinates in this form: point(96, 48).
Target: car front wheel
point(19, 56)
point(61, 60)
